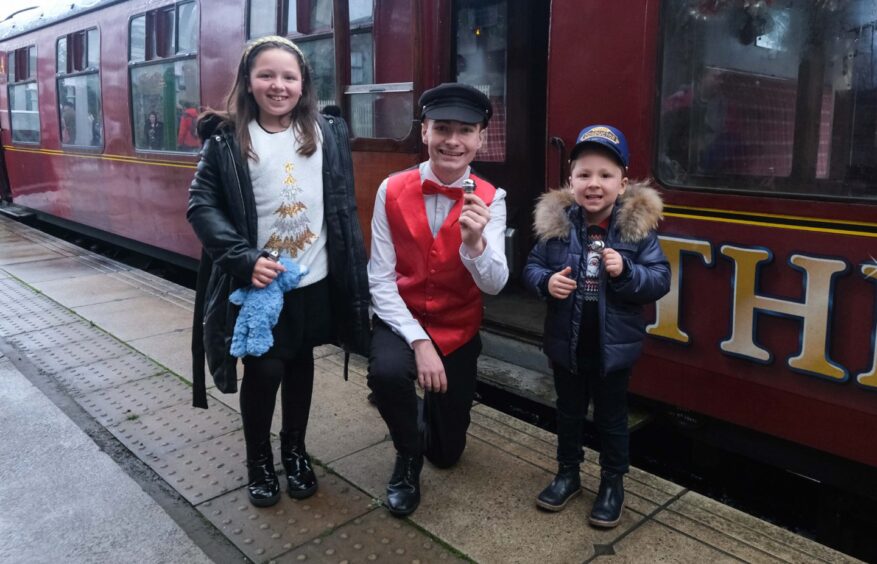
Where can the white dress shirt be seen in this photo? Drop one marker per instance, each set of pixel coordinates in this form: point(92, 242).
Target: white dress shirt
point(489, 270)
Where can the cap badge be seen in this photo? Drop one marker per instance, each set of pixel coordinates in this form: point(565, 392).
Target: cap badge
point(602, 133)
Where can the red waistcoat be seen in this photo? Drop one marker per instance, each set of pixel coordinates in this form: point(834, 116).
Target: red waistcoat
point(432, 280)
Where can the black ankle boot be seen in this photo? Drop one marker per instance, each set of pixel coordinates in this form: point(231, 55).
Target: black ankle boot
point(301, 482)
point(403, 491)
point(262, 485)
point(565, 486)
point(610, 500)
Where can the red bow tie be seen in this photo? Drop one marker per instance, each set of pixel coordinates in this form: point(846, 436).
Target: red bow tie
point(430, 188)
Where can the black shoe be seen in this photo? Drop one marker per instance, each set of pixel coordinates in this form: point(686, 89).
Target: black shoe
point(566, 485)
point(301, 482)
point(403, 491)
point(609, 502)
point(262, 486)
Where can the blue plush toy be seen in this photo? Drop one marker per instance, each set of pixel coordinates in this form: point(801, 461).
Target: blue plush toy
point(260, 310)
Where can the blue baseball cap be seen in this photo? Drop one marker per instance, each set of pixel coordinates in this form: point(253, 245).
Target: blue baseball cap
point(605, 135)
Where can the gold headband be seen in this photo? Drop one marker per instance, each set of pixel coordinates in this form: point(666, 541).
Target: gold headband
point(273, 39)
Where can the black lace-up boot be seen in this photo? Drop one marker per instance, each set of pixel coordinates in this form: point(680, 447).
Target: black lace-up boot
point(262, 485)
point(301, 482)
point(566, 485)
point(610, 500)
point(403, 490)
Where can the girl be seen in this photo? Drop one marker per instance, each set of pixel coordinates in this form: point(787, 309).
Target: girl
point(597, 262)
point(277, 176)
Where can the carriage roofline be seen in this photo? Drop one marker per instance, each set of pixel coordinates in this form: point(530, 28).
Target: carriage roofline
point(38, 15)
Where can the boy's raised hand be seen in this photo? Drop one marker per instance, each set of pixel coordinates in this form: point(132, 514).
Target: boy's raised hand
point(473, 218)
point(612, 262)
point(560, 285)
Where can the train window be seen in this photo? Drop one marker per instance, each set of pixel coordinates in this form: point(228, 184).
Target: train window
point(776, 97)
point(381, 88)
point(24, 113)
point(165, 85)
point(79, 100)
point(481, 46)
point(262, 18)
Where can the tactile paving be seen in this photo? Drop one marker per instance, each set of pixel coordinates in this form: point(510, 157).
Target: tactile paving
point(80, 353)
point(105, 373)
point(60, 335)
point(12, 292)
point(209, 469)
point(172, 428)
point(376, 537)
point(264, 533)
point(48, 315)
point(133, 399)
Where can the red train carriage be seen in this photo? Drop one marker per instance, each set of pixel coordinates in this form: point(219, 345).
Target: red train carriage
point(757, 118)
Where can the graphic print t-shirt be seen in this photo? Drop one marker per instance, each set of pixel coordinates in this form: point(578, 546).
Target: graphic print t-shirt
point(288, 188)
point(589, 338)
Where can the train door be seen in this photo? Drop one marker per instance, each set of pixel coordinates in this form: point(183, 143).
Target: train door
point(500, 46)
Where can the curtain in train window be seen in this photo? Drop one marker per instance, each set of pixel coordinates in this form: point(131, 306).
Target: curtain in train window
point(769, 96)
point(24, 115)
point(79, 99)
point(481, 48)
point(165, 84)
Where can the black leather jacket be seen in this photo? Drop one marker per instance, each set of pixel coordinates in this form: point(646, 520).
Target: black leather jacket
point(222, 211)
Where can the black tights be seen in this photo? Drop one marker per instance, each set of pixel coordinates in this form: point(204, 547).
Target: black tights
point(262, 377)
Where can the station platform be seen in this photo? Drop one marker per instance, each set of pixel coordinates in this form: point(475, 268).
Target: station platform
point(105, 460)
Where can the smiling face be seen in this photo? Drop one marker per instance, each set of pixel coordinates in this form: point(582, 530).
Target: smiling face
point(597, 181)
point(451, 146)
point(275, 82)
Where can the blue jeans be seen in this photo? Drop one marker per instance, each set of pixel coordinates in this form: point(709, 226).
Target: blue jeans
point(609, 392)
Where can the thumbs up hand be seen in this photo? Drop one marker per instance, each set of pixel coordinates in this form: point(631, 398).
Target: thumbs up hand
point(560, 285)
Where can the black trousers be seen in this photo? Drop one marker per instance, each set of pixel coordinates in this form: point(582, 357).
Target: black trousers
point(305, 322)
point(438, 431)
point(609, 392)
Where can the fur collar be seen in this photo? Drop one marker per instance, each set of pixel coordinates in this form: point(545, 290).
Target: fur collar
point(636, 213)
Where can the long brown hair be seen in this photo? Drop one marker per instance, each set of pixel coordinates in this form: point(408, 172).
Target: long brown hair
point(242, 108)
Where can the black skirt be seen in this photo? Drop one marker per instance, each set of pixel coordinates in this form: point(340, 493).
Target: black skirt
point(305, 321)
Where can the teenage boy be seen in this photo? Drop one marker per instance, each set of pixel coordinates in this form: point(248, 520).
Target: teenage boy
point(435, 248)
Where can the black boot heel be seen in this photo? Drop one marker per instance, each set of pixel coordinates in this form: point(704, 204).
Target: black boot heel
point(566, 485)
point(610, 500)
point(263, 488)
point(301, 482)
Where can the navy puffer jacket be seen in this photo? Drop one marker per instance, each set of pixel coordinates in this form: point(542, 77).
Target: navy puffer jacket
point(646, 275)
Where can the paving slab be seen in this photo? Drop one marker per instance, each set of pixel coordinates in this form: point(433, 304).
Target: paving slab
point(653, 542)
point(64, 500)
point(265, 533)
point(153, 316)
point(374, 537)
point(25, 251)
point(490, 495)
point(106, 373)
point(742, 535)
point(342, 421)
point(172, 350)
point(54, 269)
point(132, 400)
point(87, 290)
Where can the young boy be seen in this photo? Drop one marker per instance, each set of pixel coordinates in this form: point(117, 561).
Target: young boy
point(597, 261)
point(435, 248)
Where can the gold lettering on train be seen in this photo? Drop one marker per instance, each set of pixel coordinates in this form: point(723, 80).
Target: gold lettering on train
point(814, 311)
point(870, 378)
point(666, 323)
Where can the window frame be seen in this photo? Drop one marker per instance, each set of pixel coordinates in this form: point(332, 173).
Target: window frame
point(85, 71)
point(175, 57)
point(340, 32)
point(12, 82)
point(818, 189)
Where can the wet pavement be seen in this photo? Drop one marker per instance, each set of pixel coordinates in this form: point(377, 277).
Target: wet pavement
point(106, 461)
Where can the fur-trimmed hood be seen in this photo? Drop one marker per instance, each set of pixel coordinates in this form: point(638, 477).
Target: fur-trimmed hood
point(636, 213)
